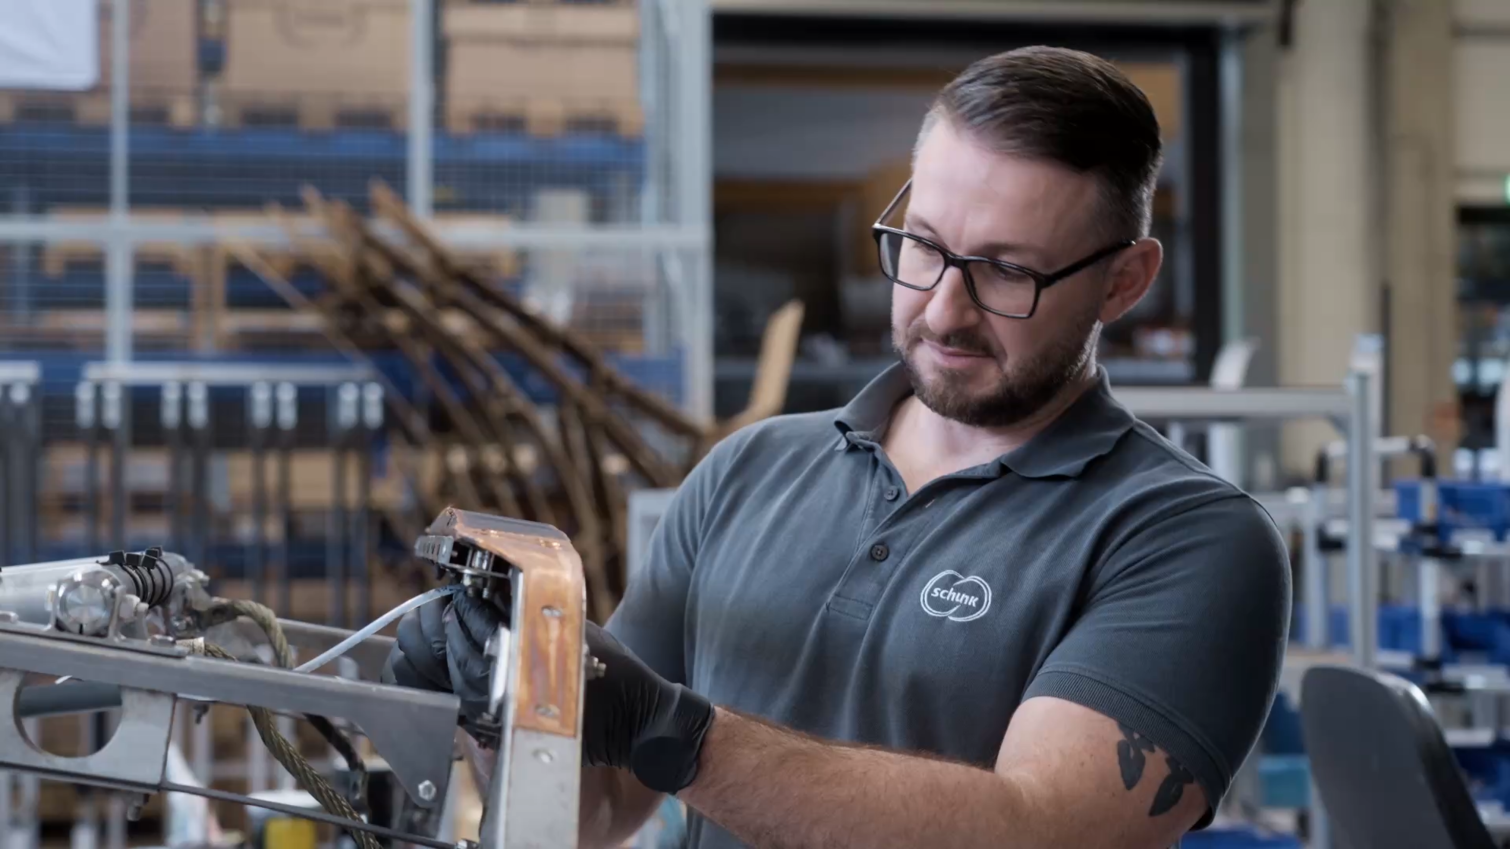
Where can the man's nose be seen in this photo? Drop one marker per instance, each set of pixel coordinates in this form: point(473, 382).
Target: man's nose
point(950, 307)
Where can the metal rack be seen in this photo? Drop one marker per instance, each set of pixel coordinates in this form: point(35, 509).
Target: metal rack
point(670, 228)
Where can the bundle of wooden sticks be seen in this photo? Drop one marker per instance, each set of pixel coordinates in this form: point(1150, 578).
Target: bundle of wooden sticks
point(395, 287)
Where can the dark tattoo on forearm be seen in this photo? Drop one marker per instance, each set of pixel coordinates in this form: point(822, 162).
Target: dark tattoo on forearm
point(1130, 756)
point(1172, 788)
point(1132, 760)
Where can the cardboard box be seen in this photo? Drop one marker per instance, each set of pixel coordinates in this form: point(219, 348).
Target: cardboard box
point(318, 59)
point(547, 65)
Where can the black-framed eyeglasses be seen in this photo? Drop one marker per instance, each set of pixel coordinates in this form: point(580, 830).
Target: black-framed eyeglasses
point(1000, 288)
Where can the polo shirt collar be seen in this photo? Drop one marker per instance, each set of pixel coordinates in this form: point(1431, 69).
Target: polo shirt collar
point(1088, 429)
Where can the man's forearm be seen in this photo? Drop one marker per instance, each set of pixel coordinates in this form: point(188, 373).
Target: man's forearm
point(772, 787)
point(613, 806)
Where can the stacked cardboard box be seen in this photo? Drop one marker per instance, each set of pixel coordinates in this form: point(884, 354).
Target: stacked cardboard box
point(542, 67)
point(326, 64)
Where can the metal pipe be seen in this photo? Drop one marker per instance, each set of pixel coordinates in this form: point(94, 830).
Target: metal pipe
point(421, 105)
point(288, 418)
point(692, 20)
point(199, 424)
point(1363, 595)
point(172, 417)
point(342, 424)
point(113, 417)
point(1317, 571)
point(30, 461)
point(372, 425)
point(84, 415)
point(260, 403)
point(119, 255)
point(6, 498)
point(70, 697)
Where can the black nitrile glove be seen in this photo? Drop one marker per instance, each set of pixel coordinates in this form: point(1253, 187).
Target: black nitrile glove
point(442, 646)
point(636, 720)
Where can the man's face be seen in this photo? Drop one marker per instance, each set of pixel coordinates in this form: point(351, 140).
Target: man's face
point(969, 365)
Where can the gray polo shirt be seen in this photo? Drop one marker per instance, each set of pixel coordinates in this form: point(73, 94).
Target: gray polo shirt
point(795, 578)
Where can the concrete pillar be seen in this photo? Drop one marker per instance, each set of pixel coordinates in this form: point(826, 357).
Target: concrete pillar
point(1419, 238)
point(1328, 230)
point(1251, 254)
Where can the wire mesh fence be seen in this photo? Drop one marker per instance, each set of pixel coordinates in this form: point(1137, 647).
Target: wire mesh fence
point(540, 127)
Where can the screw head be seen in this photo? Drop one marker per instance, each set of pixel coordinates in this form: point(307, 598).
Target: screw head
point(427, 791)
point(547, 711)
point(552, 612)
point(544, 756)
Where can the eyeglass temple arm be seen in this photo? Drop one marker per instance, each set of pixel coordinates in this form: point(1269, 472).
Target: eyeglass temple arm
point(894, 201)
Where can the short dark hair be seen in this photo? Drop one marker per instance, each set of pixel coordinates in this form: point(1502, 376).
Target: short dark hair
point(1068, 107)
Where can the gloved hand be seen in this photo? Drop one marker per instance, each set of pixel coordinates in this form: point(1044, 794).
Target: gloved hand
point(635, 719)
point(442, 646)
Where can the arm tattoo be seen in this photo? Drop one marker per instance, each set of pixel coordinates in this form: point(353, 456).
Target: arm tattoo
point(1171, 789)
point(1130, 755)
point(1131, 760)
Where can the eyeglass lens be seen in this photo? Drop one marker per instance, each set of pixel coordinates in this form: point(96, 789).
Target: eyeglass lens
point(918, 265)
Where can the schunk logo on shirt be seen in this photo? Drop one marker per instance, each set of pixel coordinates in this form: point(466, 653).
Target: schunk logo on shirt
point(955, 597)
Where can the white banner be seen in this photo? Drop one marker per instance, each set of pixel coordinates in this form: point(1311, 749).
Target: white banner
point(51, 44)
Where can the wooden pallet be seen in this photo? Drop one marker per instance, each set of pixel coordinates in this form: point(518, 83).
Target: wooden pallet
point(92, 109)
point(546, 117)
point(312, 112)
point(186, 260)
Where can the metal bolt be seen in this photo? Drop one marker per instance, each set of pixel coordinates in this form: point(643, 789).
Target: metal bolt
point(9, 617)
point(547, 710)
point(426, 791)
point(544, 756)
point(552, 612)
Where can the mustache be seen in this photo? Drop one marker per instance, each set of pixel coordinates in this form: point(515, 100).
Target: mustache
point(959, 340)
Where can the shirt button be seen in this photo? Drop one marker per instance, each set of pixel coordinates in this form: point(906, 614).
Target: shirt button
point(892, 493)
point(879, 552)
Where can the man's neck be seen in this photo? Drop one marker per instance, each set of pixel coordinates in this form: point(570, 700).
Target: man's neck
point(925, 445)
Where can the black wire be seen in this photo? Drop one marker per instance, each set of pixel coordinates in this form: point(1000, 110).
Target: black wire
point(304, 813)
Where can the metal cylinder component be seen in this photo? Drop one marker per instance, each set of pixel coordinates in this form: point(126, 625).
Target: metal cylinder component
point(29, 590)
point(85, 602)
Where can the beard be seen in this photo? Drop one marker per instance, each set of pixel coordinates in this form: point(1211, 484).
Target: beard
point(1017, 392)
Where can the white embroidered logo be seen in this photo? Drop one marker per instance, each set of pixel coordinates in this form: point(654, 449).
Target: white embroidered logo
point(955, 597)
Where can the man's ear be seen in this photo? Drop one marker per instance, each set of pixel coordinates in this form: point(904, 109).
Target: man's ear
point(1132, 272)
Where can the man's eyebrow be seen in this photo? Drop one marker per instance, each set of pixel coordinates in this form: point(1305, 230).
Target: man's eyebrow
point(913, 224)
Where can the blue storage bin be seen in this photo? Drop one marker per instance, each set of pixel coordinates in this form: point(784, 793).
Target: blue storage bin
point(1285, 781)
point(1461, 505)
point(1237, 838)
point(1399, 628)
point(1488, 771)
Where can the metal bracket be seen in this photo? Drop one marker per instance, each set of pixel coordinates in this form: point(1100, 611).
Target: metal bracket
point(133, 759)
point(412, 729)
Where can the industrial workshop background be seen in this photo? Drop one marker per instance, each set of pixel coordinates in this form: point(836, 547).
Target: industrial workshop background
point(158, 387)
point(563, 146)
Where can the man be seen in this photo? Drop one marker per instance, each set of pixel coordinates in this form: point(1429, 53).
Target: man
point(981, 605)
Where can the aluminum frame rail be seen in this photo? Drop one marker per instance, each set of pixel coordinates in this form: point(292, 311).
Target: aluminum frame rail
point(1350, 409)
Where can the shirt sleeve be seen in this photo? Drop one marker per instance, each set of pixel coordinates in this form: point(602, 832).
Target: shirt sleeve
point(651, 618)
point(1183, 636)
